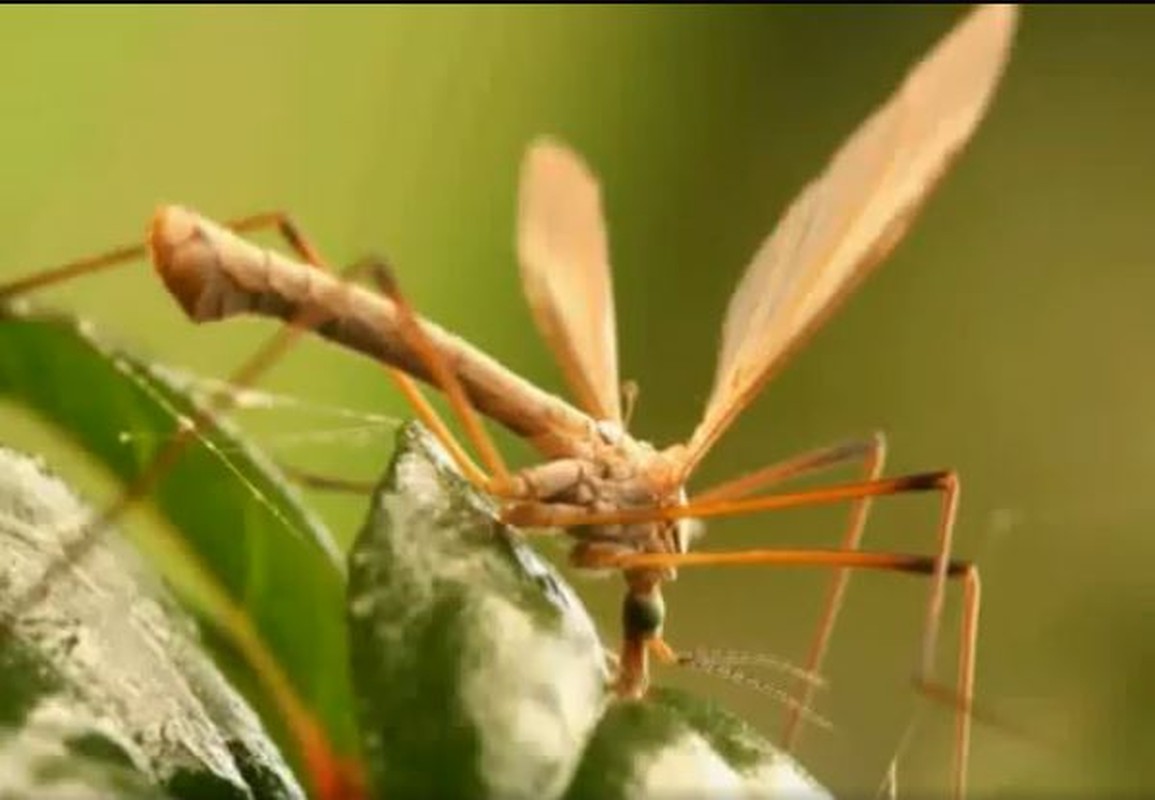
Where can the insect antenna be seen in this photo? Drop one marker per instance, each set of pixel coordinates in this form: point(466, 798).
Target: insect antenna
point(729, 671)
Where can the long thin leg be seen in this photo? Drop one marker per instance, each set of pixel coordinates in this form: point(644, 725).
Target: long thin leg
point(530, 513)
point(279, 343)
point(432, 420)
point(944, 482)
point(331, 777)
point(857, 559)
point(867, 449)
point(875, 459)
point(443, 376)
point(218, 402)
point(535, 514)
point(119, 256)
point(872, 452)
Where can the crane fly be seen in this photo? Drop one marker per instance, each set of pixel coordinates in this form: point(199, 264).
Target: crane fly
point(622, 500)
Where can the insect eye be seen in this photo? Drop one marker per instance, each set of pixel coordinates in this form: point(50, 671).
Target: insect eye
point(643, 614)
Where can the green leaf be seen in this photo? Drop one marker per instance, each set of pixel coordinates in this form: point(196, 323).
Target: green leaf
point(478, 672)
point(104, 689)
point(676, 745)
point(274, 558)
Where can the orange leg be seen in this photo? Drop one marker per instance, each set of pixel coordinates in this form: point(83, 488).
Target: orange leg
point(531, 513)
point(962, 699)
point(870, 449)
point(851, 540)
point(284, 339)
point(536, 514)
point(278, 344)
point(217, 402)
point(119, 256)
point(444, 377)
point(872, 452)
point(719, 503)
point(332, 777)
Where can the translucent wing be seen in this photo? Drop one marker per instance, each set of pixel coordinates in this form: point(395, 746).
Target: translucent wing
point(565, 269)
point(849, 218)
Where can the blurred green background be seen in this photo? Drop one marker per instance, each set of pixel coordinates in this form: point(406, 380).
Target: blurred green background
point(1010, 336)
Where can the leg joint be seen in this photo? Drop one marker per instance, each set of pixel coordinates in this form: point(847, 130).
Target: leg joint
point(943, 481)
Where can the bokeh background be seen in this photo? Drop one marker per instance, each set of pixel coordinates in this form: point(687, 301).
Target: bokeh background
point(1010, 336)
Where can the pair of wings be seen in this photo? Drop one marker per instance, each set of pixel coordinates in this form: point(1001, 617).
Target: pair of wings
point(841, 225)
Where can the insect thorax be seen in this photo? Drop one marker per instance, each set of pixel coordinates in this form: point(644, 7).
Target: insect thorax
point(619, 475)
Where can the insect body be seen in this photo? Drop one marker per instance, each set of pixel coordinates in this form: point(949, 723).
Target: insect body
point(595, 466)
point(624, 500)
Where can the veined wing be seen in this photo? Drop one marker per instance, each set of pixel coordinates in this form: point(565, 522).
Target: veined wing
point(565, 269)
point(850, 218)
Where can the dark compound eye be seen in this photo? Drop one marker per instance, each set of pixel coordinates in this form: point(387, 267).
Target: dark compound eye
point(643, 614)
